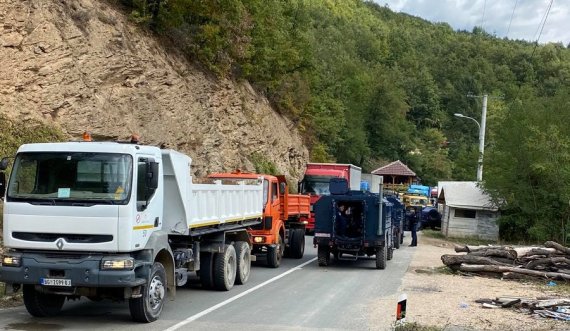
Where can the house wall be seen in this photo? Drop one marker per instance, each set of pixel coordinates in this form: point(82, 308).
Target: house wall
point(483, 226)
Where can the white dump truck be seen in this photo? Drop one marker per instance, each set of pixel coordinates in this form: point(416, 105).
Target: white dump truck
point(120, 221)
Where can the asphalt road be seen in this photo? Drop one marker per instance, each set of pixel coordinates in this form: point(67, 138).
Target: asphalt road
point(298, 295)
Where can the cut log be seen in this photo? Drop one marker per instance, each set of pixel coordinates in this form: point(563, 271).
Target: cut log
point(454, 260)
point(557, 246)
point(506, 253)
point(501, 269)
point(471, 249)
point(525, 251)
point(547, 262)
point(552, 303)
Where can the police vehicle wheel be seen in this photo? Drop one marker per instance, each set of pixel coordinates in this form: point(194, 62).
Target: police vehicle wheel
point(390, 253)
point(397, 242)
point(243, 255)
point(41, 304)
point(381, 257)
point(323, 255)
point(148, 307)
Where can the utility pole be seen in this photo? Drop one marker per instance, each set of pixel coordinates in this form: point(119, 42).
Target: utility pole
point(482, 139)
point(481, 126)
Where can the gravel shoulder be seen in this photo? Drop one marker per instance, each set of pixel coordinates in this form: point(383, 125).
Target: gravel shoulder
point(447, 301)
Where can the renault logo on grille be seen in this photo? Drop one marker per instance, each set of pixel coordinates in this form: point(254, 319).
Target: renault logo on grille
point(59, 243)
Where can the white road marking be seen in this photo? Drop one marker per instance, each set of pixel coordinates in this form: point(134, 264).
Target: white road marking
point(223, 303)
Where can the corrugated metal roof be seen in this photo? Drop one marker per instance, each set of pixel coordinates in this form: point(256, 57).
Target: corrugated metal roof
point(465, 195)
point(396, 168)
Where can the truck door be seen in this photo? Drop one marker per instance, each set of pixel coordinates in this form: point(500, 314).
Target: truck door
point(283, 197)
point(148, 201)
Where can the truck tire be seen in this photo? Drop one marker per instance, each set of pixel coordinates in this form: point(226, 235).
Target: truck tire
point(206, 272)
point(225, 266)
point(297, 249)
point(402, 237)
point(323, 255)
point(41, 304)
point(243, 255)
point(148, 307)
point(275, 253)
point(381, 257)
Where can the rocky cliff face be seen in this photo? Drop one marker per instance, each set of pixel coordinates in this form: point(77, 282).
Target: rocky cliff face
point(81, 65)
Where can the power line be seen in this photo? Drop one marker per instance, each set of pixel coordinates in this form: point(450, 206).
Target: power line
point(537, 39)
point(542, 22)
point(483, 17)
point(511, 20)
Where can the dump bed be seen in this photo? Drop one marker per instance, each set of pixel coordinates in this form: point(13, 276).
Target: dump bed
point(298, 205)
point(189, 206)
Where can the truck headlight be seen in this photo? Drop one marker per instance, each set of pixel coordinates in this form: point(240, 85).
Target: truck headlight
point(11, 260)
point(117, 263)
point(258, 239)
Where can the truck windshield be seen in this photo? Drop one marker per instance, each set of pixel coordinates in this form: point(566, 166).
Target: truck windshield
point(70, 177)
point(316, 185)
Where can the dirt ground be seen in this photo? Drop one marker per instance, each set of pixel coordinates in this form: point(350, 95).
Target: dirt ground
point(447, 301)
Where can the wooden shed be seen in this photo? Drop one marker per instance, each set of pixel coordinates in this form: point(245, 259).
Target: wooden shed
point(397, 176)
point(467, 211)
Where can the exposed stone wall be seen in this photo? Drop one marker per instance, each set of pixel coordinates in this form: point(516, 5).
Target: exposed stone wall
point(82, 65)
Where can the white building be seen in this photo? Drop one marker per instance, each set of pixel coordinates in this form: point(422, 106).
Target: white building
point(467, 211)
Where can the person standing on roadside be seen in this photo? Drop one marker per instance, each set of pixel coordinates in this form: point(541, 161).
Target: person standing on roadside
point(413, 219)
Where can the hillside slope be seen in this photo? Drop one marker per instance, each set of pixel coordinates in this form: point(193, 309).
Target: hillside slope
point(81, 65)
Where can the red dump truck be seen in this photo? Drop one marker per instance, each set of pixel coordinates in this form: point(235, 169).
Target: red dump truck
point(316, 180)
point(282, 230)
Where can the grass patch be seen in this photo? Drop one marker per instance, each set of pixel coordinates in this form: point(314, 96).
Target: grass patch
point(417, 327)
point(262, 164)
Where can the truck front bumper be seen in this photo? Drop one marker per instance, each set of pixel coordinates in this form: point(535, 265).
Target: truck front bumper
point(80, 270)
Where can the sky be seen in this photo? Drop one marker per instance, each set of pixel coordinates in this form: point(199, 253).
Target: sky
point(495, 16)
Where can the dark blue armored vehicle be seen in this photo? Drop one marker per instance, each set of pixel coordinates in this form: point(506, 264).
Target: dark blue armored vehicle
point(398, 219)
point(353, 224)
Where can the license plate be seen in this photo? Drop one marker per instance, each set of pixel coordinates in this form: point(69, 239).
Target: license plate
point(55, 282)
point(323, 235)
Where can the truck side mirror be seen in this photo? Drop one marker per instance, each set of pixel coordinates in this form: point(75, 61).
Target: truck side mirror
point(152, 175)
point(2, 184)
point(4, 163)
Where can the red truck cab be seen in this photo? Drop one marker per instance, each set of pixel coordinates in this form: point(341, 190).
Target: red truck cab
point(315, 183)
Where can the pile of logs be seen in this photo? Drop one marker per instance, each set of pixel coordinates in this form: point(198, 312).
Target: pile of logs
point(551, 261)
point(545, 307)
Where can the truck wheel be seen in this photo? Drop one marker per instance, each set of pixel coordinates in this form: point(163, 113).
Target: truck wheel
point(206, 271)
point(323, 255)
point(381, 257)
point(390, 253)
point(243, 255)
point(225, 266)
point(275, 253)
point(401, 238)
point(297, 248)
point(148, 307)
point(41, 304)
